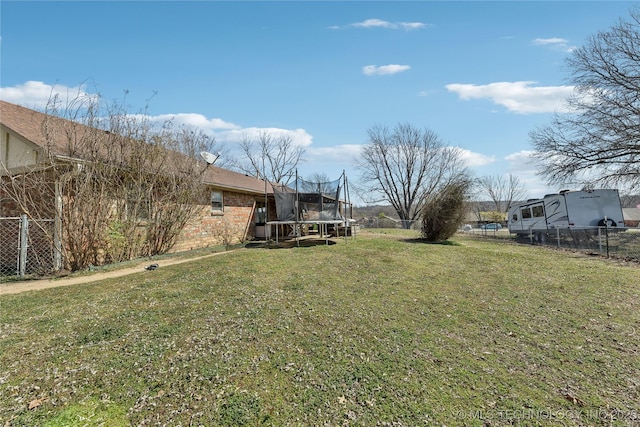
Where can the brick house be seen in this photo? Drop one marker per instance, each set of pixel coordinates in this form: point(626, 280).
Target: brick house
point(232, 204)
point(237, 205)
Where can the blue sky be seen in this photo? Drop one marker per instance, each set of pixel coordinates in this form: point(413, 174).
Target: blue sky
point(480, 74)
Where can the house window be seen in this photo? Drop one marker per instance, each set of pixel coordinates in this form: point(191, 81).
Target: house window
point(217, 205)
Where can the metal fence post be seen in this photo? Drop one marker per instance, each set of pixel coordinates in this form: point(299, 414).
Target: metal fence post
point(600, 240)
point(24, 233)
point(57, 228)
point(606, 234)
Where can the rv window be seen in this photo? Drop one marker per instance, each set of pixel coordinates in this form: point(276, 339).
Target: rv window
point(538, 211)
point(526, 213)
point(514, 217)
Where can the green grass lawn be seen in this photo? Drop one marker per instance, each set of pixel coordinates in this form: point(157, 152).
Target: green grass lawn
point(382, 330)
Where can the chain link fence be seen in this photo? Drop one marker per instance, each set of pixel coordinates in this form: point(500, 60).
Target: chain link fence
point(604, 241)
point(26, 247)
point(388, 222)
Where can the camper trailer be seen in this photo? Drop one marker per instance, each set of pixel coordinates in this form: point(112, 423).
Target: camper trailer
point(566, 210)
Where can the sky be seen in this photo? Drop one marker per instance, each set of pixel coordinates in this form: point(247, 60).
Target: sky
point(481, 75)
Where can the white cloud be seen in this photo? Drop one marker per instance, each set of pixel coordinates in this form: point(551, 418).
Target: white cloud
point(411, 25)
point(382, 70)
point(34, 94)
point(372, 23)
point(342, 153)
point(299, 137)
point(332, 161)
point(521, 159)
point(553, 40)
point(473, 159)
point(523, 166)
point(555, 43)
point(519, 97)
point(195, 120)
point(379, 23)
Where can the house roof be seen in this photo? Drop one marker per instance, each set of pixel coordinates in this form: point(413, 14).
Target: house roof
point(23, 121)
point(29, 124)
point(230, 180)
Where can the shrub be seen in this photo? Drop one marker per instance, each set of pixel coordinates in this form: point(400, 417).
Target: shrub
point(444, 211)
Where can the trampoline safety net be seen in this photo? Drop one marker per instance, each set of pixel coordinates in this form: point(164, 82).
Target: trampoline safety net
point(308, 201)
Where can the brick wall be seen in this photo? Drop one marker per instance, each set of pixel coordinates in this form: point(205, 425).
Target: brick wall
point(40, 198)
point(8, 208)
point(236, 223)
point(9, 248)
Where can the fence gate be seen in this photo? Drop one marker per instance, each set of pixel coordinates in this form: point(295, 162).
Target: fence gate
point(26, 247)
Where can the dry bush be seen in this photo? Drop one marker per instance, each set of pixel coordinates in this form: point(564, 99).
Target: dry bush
point(444, 211)
point(119, 185)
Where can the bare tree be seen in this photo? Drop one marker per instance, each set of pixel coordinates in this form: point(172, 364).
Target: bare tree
point(599, 143)
point(176, 192)
point(118, 186)
point(320, 182)
point(274, 157)
point(405, 166)
point(320, 177)
point(501, 190)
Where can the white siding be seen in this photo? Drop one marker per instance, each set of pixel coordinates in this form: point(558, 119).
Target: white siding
point(15, 152)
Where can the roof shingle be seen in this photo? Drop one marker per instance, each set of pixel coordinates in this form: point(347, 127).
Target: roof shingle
point(29, 125)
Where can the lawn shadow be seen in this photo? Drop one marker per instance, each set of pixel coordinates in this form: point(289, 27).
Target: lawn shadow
point(291, 243)
point(426, 242)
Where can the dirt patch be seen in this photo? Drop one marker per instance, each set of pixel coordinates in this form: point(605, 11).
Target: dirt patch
point(34, 285)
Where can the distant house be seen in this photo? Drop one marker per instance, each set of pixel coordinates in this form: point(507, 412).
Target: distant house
point(631, 217)
point(231, 207)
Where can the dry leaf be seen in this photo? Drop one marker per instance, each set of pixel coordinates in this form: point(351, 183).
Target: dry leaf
point(574, 400)
point(35, 403)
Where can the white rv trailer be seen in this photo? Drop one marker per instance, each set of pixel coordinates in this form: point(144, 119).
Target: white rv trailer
point(566, 210)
